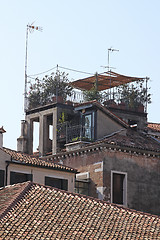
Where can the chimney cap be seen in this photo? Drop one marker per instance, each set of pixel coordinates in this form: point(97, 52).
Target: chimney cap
point(2, 130)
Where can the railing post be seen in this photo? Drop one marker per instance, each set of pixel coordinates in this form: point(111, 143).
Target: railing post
point(81, 132)
point(66, 133)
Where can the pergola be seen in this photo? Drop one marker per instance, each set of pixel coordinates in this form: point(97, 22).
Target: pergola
point(103, 81)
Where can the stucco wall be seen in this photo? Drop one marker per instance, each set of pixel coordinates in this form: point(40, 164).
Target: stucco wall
point(3, 157)
point(39, 174)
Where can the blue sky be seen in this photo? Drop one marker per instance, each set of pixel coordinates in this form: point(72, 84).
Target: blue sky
point(76, 34)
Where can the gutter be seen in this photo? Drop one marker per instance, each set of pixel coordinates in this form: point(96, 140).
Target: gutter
point(41, 166)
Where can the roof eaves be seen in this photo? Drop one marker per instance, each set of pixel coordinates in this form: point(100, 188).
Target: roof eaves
point(40, 162)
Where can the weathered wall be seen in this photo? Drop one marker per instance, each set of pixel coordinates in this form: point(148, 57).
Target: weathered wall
point(143, 176)
point(105, 125)
point(89, 163)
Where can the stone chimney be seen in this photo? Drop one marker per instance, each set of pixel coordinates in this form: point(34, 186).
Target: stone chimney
point(1, 136)
point(22, 140)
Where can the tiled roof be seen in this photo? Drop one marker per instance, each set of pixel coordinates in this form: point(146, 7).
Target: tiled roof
point(8, 196)
point(42, 212)
point(134, 139)
point(133, 142)
point(154, 127)
point(18, 157)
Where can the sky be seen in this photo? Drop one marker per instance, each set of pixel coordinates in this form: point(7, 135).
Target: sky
point(76, 35)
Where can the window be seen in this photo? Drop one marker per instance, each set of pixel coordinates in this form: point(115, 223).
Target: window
point(57, 182)
point(1, 178)
point(82, 187)
point(119, 188)
point(17, 177)
point(89, 125)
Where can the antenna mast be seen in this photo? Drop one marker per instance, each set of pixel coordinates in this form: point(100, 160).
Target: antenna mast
point(111, 50)
point(30, 28)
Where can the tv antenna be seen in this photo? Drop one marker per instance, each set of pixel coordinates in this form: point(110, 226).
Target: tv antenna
point(30, 28)
point(109, 51)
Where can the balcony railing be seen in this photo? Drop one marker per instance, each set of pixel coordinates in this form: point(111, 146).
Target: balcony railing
point(68, 133)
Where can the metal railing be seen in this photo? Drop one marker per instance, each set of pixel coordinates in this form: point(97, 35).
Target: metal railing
point(69, 133)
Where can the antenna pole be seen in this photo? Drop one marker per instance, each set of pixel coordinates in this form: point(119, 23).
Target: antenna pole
point(25, 86)
point(111, 50)
point(30, 28)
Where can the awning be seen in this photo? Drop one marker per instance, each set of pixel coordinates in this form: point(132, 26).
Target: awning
point(103, 81)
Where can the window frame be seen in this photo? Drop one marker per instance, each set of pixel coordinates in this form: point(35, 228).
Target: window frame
point(78, 186)
point(124, 187)
point(92, 132)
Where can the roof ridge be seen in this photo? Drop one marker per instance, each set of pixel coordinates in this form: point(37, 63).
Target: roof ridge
point(20, 195)
point(97, 200)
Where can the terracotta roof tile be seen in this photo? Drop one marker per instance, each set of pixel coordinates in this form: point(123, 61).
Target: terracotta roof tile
point(35, 161)
point(154, 126)
point(47, 213)
point(134, 139)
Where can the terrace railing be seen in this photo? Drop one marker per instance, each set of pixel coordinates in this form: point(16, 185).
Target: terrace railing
point(69, 133)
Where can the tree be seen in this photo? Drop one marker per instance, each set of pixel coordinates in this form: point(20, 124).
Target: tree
point(42, 91)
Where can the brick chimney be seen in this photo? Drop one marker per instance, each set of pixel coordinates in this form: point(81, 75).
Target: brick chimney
point(1, 136)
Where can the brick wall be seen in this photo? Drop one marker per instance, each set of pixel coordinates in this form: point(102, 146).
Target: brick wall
point(143, 176)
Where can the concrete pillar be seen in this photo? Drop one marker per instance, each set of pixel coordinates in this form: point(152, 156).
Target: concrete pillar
point(30, 136)
point(54, 141)
point(43, 135)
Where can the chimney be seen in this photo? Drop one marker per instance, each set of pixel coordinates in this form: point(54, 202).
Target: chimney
point(1, 136)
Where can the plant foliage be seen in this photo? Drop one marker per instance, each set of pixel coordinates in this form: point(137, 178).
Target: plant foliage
point(133, 95)
point(42, 91)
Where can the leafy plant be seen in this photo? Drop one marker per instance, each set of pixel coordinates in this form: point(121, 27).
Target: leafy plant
point(42, 91)
point(133, 95)
point(94, 94)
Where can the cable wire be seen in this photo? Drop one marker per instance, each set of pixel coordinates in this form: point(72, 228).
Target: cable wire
point(42, 72)
point(73, 70)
